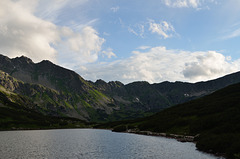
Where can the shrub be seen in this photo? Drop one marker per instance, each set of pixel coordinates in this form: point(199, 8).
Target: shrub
point(120, 128)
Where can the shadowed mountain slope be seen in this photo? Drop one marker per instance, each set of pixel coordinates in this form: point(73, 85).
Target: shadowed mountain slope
point(215, 117)
point(158, 96)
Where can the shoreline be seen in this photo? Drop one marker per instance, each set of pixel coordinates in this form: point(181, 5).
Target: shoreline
point(179, 138)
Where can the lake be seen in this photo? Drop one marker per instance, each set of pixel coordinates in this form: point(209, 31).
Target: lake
point(92, 143)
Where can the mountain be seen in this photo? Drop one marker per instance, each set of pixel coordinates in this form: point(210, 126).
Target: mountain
point(145, 97)
point(213, 119)
point(44, 95)
point(54, 90)
point(60, 92)
point(17, 113)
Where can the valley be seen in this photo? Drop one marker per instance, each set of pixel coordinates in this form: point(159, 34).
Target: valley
point(46, 96)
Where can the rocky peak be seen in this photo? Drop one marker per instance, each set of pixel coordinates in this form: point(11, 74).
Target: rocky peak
point(6, 64)
point(45, 73)
point(23, 59)
point(45, 62)
point(100, 82)
point(4, 58)
point(115, 84)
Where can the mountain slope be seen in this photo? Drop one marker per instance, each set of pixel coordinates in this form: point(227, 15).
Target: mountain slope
point(143, 96)
point(86, 104)
point(215, 117)
point(17, 113)
point(61, 92)
point(44, 73)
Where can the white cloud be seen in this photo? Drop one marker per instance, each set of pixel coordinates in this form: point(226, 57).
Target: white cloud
point(132, 31)
point(164, 29)
point(137, 29)
point(86, 43)
point(79, 47)
point(50, 9)
point(187, 3)
point(23, 33)
point(115, 9)
point(232, 34)
point(210, 64)
point(144, 47)
point(160, 64)
point(109, 53)
point(182, 3)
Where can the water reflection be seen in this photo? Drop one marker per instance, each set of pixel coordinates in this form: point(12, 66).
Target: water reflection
point(90, 143)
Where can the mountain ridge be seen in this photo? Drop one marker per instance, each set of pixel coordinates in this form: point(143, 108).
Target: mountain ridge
point(70, 89)
point(158, 96)
point(30, 91)
point(212, 121)
point(102, 101)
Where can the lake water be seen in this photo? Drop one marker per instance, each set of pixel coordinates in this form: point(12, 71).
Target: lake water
point(92, 143)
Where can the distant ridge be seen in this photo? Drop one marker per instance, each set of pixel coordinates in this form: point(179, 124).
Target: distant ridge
point(158, 96)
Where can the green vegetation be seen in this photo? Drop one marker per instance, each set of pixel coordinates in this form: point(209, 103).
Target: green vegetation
point(15, 115)
point(215, 117)
point(97, 115)
point(68, 105)
point(85, 104)
point(127, 114)
point(96, 95)
point(120, 128)
point(59, 91)
point(65, 101)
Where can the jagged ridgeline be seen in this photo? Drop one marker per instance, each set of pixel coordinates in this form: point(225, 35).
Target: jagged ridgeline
point(56, 91)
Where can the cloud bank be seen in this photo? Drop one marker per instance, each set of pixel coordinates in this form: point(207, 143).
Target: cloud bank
point(23, 33)
point(160, 64)
point(79, 47)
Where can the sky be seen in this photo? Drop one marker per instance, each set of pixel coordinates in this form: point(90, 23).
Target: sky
point(126, 40)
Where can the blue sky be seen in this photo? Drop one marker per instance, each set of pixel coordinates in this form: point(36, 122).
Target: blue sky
point(126, 40)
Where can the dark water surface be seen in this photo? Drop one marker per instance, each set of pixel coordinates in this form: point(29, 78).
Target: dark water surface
point(92, 143)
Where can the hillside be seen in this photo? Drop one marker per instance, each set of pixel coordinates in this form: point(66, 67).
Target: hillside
point(17, 113)
point(44, 95)
point(158, 96)
point(60, 92)
point(215, 117)
point(55, 90)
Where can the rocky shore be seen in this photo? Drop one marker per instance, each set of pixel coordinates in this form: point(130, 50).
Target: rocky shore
point(181, 138)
